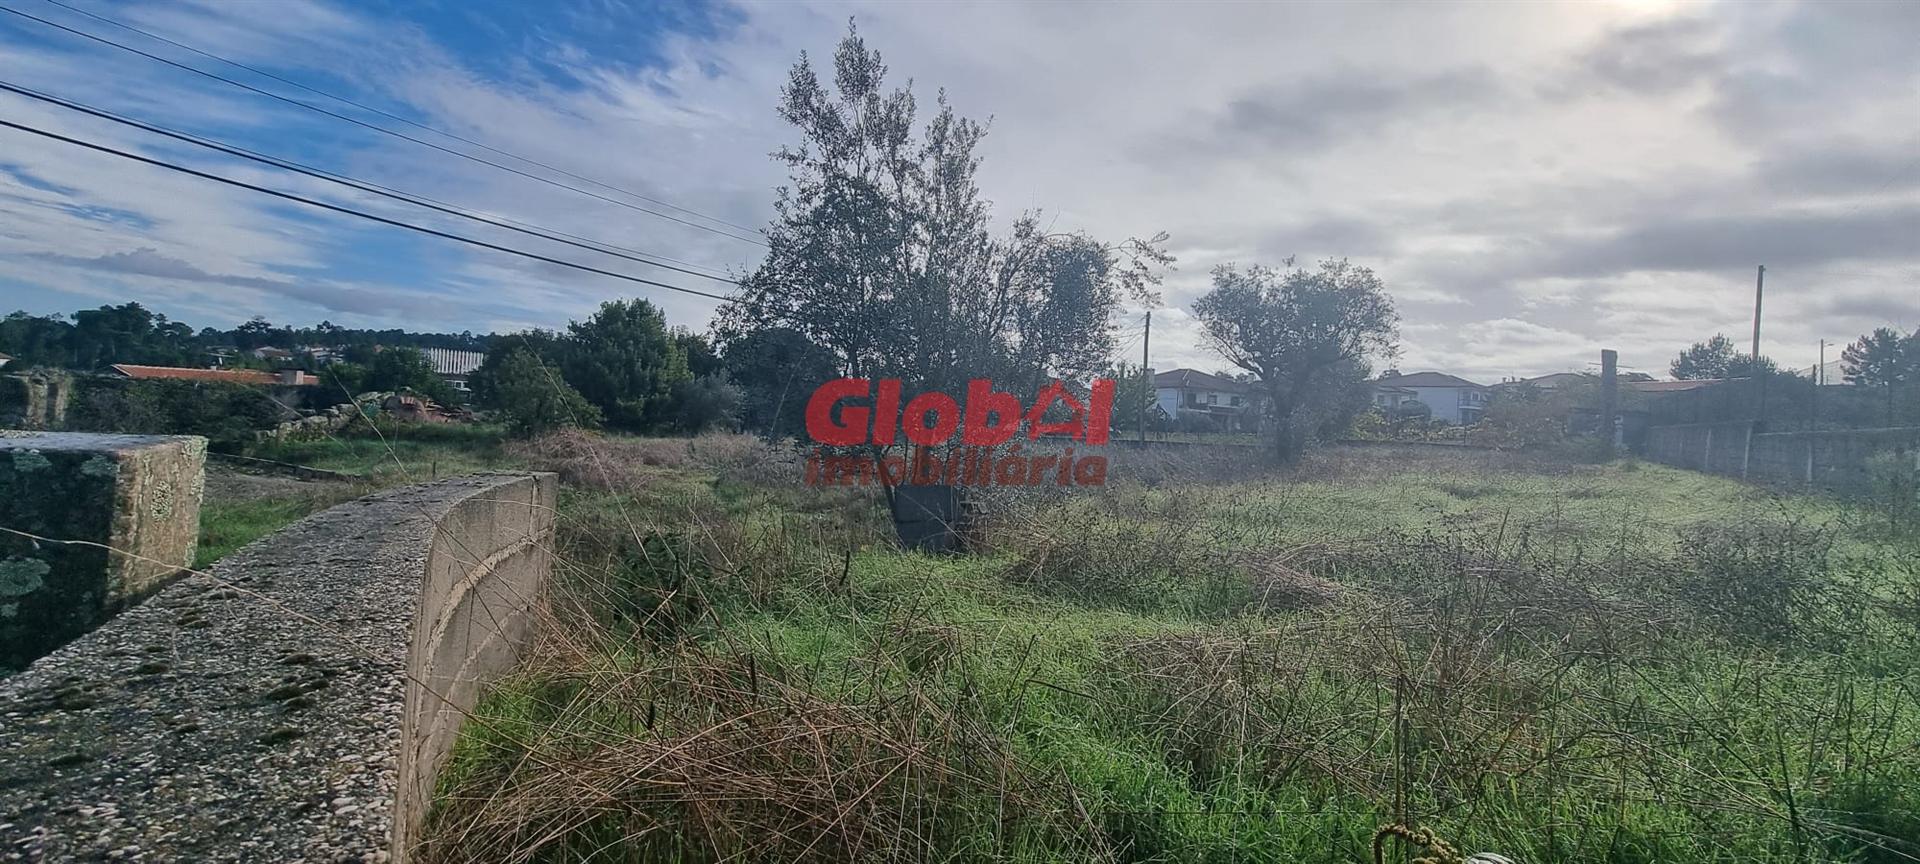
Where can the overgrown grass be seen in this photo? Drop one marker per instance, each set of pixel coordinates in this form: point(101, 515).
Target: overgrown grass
point(1618, 663)
point(398, 452)
point(228, 525)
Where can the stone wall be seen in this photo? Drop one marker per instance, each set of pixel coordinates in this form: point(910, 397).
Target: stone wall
point(293, 704)
point(1833, 461)
point(136, 494)
point(35, 400)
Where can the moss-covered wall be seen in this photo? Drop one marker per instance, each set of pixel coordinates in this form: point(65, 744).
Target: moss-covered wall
point(136, 494)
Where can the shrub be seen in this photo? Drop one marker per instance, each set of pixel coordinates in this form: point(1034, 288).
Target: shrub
point(532, 398)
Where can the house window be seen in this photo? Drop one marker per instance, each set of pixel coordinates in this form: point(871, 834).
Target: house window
point(1213, 398)
point(1193, 399)
point(1236, 401)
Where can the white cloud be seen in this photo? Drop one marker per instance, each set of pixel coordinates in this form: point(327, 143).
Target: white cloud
point(1533, 182)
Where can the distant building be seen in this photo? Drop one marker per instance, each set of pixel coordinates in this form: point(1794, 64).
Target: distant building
point(269, 352)
point(322, 355)
point(1389, 399)
point(4, 360)
point(1194, 396)
point(257, 377)
point(1452, 399)
point(1832, 373)
point(454, 366)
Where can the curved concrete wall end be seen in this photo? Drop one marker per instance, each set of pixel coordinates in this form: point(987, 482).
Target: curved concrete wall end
point(293, 704)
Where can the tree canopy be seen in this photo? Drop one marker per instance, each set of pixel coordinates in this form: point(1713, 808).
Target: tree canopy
point(531, 397)
point(1307, 335)
point(130, 333)
point(881, 251)
point(1882, 358)
point(623, 360)
point(1717, 358)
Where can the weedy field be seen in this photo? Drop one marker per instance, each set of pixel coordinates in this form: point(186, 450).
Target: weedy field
point(1202, 663)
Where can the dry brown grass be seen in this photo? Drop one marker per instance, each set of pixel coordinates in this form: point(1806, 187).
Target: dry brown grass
point(591, 460)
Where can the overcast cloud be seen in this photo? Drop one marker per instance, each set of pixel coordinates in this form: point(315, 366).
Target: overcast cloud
point(1534, 182)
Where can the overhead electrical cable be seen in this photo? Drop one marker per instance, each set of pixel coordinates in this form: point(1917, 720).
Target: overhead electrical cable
point(363, 186)
point(391, 116)
point(397, 223)
point(381, 129)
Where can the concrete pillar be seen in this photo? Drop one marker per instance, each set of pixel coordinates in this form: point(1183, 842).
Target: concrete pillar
point(1609, 402)
point(1746, 452)
point(120, 514)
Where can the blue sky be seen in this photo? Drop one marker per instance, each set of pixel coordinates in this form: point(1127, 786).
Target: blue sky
point(1534, 181)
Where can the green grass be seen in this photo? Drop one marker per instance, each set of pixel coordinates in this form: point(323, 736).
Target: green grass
point(401, 453)
point(409, 453)
point(228, 525)
point(1621, 663)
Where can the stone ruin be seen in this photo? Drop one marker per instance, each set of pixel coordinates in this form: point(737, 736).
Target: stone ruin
point(87, 494)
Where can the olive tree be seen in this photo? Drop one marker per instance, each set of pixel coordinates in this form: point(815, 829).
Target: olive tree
point(882, 250)
point(1307, 335)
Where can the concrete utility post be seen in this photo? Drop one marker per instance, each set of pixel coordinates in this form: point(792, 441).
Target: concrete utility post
point(1146, 372)
point(1760, 378)
point(1609, 401)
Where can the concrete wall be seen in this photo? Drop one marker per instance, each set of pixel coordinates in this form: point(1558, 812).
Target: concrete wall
point(86, 494)
point(1834, 461)
point(293, 704)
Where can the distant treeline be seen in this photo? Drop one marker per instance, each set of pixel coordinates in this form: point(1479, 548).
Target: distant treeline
point(91, 339)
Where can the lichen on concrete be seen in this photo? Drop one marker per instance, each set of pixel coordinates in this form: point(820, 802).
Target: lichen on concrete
point(22, 576)
point(86, 494)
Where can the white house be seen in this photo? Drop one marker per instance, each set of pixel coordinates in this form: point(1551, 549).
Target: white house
point(1194, 396)
point(1452, 399)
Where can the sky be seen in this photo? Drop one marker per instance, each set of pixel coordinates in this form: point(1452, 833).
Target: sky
point(1532, 181)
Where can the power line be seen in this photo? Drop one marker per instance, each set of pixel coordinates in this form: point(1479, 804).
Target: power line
point(391, 116)
point(363, 186)
point(381, 129)
point(352, 212)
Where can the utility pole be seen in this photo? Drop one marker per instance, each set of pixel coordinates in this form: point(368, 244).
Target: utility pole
point(1760, 378)
point(1819, 378)
point(1609, 402)
point(1146, 373)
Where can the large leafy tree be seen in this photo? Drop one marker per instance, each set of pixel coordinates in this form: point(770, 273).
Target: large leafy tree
point(776, 369)
point(626, 362)
point(882, 252)
point(403, 369)
point(1717, 358)
point(623, 360)
point(530, 397)
point(1883, 359)
point(1305, 334)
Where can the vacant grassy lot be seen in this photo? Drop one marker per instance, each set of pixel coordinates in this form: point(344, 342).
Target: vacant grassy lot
point(1553, 662)
point(242, 507)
